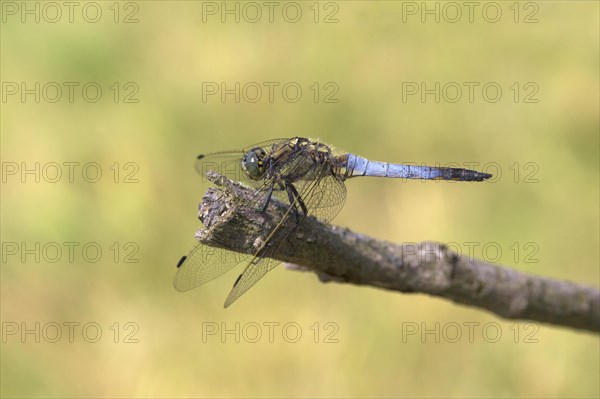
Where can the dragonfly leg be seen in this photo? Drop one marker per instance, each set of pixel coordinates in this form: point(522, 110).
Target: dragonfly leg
point(268, 199)
point(293, 204)
point(293, 193)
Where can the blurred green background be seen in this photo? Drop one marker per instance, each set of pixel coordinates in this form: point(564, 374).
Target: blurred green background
point(541, 210)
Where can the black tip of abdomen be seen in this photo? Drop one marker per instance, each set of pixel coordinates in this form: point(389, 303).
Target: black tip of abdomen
point(464, 175)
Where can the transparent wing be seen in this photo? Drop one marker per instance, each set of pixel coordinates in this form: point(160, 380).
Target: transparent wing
point(204, 264)
point(323, 196)
point(229, 163)
point(322, 193)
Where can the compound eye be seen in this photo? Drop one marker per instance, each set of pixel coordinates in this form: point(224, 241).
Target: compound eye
point(252, 163)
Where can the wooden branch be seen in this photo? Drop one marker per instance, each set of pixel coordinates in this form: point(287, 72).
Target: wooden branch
point(338, 254)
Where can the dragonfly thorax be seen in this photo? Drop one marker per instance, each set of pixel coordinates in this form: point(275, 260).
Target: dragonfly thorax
point(253, 163)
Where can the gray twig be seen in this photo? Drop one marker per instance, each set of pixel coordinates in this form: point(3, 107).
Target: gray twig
point(338, 254)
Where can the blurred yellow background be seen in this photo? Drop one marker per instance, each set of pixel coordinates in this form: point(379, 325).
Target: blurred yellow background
point(156, 64)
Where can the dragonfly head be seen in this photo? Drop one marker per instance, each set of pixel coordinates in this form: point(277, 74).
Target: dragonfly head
point(253, 163)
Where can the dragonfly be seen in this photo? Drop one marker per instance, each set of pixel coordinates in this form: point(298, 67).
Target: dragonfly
point(308, 176)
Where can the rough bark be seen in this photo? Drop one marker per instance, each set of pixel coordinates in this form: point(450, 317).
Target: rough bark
point(338, 254)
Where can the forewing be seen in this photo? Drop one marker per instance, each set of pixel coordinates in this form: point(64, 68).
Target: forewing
point(254, 271)
point(323, 196)
point(262, 262)
point(229, 163)
point(204, 264)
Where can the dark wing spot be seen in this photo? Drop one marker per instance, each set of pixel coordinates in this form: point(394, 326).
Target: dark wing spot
point(181, 261)
point(200, 156)
point(237, 281)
